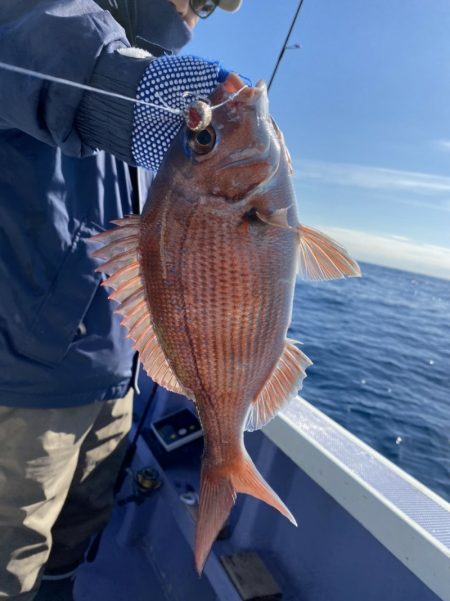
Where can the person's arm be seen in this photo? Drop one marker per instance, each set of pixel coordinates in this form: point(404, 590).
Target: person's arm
point(64, 38)
point(78, 41)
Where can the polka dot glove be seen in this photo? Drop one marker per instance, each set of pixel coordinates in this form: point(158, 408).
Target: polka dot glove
point(165, 83)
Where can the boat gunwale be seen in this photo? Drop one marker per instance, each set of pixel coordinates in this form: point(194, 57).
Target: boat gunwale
point(302, 431)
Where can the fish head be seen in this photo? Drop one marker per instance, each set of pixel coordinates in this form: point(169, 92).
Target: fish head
point(240, 158)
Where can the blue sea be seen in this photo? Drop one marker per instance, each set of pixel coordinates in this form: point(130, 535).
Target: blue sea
point(381, 352)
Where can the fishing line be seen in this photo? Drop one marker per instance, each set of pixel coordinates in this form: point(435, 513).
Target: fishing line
point(230, 97)
point(82, 86)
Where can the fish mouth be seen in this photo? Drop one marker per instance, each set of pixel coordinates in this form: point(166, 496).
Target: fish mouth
point(261, 86)
point(259, 96)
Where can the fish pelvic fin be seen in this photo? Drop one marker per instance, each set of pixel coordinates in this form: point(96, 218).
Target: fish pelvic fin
point(321, 258)
point(219, 485)
point(281, 387)
point(120, 252)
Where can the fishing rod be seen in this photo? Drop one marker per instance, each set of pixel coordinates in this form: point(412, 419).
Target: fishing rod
point(285, 45)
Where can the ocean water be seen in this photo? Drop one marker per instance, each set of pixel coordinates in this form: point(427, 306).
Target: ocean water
point(381, 352)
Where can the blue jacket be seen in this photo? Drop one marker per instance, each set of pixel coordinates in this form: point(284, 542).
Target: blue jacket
point(60, 342)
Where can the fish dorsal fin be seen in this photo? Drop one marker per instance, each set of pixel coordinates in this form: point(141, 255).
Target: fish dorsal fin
point(120, 252)
point(321, 258)
point(283, 384)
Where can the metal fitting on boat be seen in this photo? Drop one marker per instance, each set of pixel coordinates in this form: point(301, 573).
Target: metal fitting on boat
point(147, 480)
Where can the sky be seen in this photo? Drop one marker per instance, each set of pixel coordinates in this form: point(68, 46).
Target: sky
point(364, 105)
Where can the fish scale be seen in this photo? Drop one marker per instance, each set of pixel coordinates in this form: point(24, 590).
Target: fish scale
point(230, 326)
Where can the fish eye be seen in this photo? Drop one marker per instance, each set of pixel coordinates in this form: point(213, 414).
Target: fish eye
point(202, 142)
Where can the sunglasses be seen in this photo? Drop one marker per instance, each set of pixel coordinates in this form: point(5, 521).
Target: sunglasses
point(203, 8)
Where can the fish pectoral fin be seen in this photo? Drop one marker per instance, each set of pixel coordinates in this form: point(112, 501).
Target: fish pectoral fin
point(321, 258)
point(283, 384)
point(122, 262)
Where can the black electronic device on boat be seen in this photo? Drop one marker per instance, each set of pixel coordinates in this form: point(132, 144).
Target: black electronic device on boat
point(177, 429)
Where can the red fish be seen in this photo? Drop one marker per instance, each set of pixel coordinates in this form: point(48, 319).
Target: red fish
point(205, 281)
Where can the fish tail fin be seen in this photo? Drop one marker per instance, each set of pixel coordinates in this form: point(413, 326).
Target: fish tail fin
point(248, 480)
point(218, 489)
point(217, 497)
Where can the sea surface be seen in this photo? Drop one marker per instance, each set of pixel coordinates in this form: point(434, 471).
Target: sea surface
point(381, 352)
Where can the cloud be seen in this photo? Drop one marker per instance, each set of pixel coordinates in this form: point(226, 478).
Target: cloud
point(401, 238)
point(394, 251)
point(374, 178)
point(443, 145)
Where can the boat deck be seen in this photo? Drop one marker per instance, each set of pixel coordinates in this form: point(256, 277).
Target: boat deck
point(352, 542)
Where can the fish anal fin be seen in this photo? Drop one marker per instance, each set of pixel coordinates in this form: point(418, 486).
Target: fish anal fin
point(120, 253)
point(321, 258)
point(283, 384)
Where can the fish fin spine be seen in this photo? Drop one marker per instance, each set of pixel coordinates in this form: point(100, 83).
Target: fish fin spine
point(321, 258)
point(281, 387)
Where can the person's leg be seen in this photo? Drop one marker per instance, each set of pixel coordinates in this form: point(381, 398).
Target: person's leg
point(39, 451)
point(90, 498)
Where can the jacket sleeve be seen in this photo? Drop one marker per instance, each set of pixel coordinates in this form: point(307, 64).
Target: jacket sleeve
point(74, 40)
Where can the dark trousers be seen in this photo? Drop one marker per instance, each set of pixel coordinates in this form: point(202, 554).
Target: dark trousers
point(57, 472)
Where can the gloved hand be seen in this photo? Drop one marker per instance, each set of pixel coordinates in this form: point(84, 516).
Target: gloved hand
point(169, 81)
point(141, 134)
